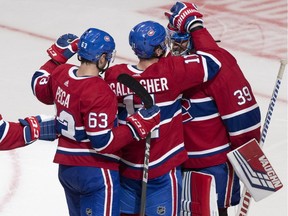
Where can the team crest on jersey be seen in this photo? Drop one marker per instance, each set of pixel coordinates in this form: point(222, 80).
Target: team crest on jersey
point(161, 210)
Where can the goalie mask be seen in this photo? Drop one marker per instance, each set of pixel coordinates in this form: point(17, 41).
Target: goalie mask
point(93, 43)
point(179, 43)
point(146, 37)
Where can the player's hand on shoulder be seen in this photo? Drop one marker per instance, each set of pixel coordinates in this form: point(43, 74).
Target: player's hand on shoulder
point(185, 17)
point(39, 127)
point(64, 48)
point(144, 121)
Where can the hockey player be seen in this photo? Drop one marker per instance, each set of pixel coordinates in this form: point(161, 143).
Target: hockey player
point(165, 79)
point(87, 151)
point(218, 116)
point(26, 131)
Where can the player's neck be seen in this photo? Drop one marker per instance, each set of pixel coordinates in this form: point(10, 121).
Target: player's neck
point(87, 70)
point(145, 63)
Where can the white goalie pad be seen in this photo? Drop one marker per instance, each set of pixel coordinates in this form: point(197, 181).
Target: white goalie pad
point(254, 170)
point(199, 196)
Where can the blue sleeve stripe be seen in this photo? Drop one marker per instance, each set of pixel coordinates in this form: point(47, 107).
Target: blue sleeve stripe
point(255, 106)
point(4, 127)
point(211, 65)
point(102, 132)
point(100, 142)
point(36, 76)
point(245, 130)
point(243, 123)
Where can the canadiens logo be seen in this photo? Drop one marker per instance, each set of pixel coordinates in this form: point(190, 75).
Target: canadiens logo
point(186, 115)
point(107, 38)
point(151, 32)
point(161, 210)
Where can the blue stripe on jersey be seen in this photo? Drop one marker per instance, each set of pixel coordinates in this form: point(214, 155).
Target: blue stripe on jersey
point(35, 76)
point(74, 134)
point(211, 65)
point(89, 152)
point(158, 162)
point(100, 141)
point(210, 152)
point(168, 110)
point(247, 119)
point(203, 107)
point(3, 129)
point(122, 113)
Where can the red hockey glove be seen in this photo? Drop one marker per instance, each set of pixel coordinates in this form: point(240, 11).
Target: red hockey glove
point(144, 121)
point(38, 127)
point(64, 48)
point(185, 17)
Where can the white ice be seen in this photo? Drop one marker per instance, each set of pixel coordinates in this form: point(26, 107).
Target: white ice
point(254, 31)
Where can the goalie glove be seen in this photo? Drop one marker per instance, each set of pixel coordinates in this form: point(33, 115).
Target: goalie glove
point(39, 127)
point(185, 17)
point(144, 121)
point(64, 48)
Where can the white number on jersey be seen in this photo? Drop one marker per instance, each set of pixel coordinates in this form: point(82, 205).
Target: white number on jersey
point(95, 120)
point(243, 95)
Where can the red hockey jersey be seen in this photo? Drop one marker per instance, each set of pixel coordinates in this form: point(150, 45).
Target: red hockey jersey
point(205, 136)
point(86, 111)
point(220, 115)
point(165, 81)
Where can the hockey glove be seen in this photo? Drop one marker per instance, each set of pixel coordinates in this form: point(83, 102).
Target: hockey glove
point(64, 48)
point(185, 17)
point(38, 127)
point(144, 121)
point(171, 30)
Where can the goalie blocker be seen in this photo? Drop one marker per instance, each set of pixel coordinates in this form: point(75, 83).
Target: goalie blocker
point(254, 170)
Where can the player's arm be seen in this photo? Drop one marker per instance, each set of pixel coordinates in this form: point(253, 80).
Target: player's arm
point(60, 51)
point(26, 131)
point(138, 126)
point(205, 64)
point(184, 17)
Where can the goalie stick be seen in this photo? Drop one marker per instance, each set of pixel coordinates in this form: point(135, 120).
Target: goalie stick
point(246, 196)
point(139, 90)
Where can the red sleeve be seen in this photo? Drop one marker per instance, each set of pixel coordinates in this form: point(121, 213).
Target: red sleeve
point(122, 137)
point(203, 40)
point(41, 83)
point(49, 66)
point(11, 135)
